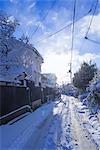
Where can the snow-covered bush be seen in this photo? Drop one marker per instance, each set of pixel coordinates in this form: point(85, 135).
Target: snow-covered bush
point(93, 98)
point(83, 96)
point(7, 25)
point(84, 75)
point(70, 90)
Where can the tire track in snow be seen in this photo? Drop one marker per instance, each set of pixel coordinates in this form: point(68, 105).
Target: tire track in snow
point(59, 135)
point(86, 126)
point(81, 138)
point(66, 137)
point(54, 132)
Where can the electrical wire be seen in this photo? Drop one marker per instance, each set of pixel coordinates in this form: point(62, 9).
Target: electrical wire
point(95, 7)
point(86, 36)
point(91, 40)
point(44, 17)
point(72, 40)
point(82, 45)
point(63, 28)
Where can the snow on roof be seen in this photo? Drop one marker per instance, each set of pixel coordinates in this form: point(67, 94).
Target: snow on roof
point(29, 46)
point(17, 58)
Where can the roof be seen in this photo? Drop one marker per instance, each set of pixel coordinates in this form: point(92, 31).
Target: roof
point(29, 46)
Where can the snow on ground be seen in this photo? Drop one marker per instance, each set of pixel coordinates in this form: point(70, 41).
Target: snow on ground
point(54, 126)
point(90, 122)
point(47, 125)
point(17, 134)
point(59, 136)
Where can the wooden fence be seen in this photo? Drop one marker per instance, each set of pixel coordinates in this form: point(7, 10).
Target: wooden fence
point(12, 98)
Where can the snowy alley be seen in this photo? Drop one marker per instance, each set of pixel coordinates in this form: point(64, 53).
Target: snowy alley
point(49, 74)
point(64, 124)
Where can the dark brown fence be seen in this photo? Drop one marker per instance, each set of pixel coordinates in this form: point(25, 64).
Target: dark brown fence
point(12, 98)
point(35, 92)
point(48, 92)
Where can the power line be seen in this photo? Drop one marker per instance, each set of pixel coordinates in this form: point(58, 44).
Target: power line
point(63, 28)
point(91, 40)
point(86, 36)
point(72, 42)
point(35, 3)
point(95, 7)
point(44, 17)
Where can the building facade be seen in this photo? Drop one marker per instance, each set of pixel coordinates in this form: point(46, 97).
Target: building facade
point(20, 58)
point(49, 80)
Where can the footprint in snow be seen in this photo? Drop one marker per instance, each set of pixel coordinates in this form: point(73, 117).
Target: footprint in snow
point(86, 136)
point(76, 144)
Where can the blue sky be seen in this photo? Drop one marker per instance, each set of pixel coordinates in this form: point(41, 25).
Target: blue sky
point(56, 50)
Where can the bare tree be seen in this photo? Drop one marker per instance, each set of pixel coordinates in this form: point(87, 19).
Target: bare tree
point(8, 25)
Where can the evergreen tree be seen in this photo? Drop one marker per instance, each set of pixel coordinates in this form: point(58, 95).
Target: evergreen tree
point(85, 74)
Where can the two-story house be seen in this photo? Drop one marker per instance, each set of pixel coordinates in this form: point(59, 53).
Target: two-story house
point(21, 58)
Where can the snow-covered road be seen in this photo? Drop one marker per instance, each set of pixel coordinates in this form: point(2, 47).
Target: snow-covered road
point(81, 138)
point(54, 126)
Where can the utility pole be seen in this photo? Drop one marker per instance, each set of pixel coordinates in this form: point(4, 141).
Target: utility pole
point(70, 72)
point(72, 42)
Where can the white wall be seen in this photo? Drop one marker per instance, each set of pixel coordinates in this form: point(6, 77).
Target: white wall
point(50, 80)
point(21, 58)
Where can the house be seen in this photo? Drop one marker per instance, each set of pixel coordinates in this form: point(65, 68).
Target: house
point(20, 72)
point(48, 83)
point(49, 80)
point(21, 57)
point(20, 78)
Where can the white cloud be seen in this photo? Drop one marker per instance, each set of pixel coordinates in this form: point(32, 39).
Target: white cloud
point(88, 56)
point(59, 63)
point(55, 16)
point(60, 43)
point(55, 50)
point(14, 1)
point(95, 26)
point(11, 1)
point(31, 5)
point(40, 25)
point(29, 23)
